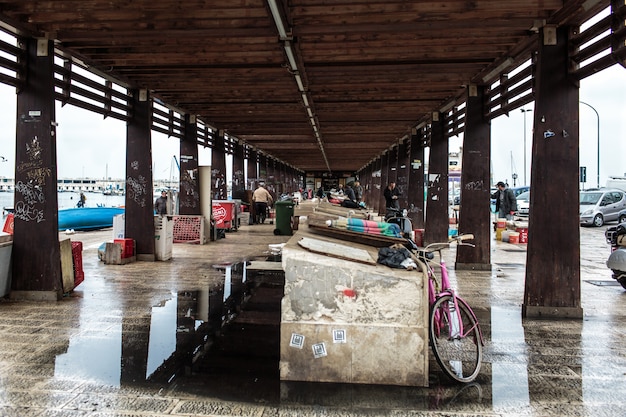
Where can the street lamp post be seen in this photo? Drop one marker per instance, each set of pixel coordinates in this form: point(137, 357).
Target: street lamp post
point(598, 135)
point(525, 111)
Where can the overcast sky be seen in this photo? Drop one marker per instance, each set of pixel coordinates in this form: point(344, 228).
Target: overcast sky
point(91, 146)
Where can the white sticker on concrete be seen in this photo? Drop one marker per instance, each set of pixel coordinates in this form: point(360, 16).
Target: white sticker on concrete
point(319, 350)
point(297, 341)
point(339, 336)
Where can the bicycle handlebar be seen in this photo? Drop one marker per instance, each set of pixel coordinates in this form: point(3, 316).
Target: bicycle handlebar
point(435, 247)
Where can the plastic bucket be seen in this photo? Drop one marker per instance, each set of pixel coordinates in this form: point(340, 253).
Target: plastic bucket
point(505, 235)
point(499, 233)
point(523, 234)
point(513, 237)
point(501, 224)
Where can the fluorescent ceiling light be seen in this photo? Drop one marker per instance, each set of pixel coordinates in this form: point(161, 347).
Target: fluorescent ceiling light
point(277, 19)
point(299, 82)
point(290, 57)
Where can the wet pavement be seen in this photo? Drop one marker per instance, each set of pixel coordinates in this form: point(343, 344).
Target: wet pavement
point(198, 335)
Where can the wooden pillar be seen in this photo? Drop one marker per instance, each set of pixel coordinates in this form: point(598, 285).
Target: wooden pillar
point(393, 165)
point(36, 253)
point(271, 176)
point(219, 189)
point(552, 285)
point(402, 175)
point(377, 187)
point(384, 182)
point(238, 180)
point(416, 180)
point(139, 219)
point(437, 218)
point(253, 172)
point(475, 185)
point(263, 168)
point(189, 195)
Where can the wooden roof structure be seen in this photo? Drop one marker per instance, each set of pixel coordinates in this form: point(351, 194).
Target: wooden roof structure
point(323, 85)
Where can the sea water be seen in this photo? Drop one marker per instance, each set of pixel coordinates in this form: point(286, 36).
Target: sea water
point(69, 199)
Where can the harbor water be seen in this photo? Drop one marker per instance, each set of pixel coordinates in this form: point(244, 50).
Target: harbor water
point(69, 200)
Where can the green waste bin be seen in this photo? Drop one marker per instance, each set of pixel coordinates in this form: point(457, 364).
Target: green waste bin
point(284, 212)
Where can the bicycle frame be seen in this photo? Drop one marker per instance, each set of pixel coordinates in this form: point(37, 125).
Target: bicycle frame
point(434, 294)
point(446, 289)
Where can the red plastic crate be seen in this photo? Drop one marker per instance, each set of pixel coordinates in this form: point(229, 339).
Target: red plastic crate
point(77, 257)
point(128, 247)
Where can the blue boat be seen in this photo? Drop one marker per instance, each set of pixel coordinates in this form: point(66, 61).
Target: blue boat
point(88, 218)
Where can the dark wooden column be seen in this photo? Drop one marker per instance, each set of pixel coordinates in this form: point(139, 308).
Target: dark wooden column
point(189, 196)
point(263, 168)
point(36, 253)
point(553, 276)
point(416, 180)
point(377, 186)
point(139, 220)
point(437, 217)
point(253, 172)
point(402, 174)
point(219, 189)
point(239, 182)
point(475, 185)
point(393, 165)
point(384, 182)
point(271, 176)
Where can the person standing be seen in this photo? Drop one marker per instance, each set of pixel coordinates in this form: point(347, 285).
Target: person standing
point(391, 196)
point(358, 191)
point(262, 199)
point(82, 200)
point(506, 204)
point(160, 205)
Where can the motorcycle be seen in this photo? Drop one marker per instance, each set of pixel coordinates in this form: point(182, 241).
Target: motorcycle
point(616, 237)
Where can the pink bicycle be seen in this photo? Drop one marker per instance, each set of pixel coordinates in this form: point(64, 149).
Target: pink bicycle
point(455, 336)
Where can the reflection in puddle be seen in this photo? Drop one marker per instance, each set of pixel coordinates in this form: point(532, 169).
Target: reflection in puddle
point(157, 348)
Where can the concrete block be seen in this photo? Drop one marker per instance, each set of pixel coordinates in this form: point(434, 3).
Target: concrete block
point(382, 312)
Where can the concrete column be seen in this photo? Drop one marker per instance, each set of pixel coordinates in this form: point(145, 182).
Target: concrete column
point(139, 194)
point(416, 180)
point(36, 252)
point(475, 184)
point(552, 285)
point(189, 195)
point(437, 218)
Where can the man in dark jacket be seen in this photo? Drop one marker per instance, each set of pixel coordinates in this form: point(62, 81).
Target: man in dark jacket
point(506, 204)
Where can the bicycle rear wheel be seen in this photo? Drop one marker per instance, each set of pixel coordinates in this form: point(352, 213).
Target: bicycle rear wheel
point(458, 353)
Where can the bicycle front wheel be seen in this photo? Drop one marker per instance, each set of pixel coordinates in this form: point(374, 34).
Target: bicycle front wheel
point(455, 339)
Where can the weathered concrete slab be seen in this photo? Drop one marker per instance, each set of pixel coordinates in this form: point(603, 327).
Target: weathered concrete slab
point(349, 322)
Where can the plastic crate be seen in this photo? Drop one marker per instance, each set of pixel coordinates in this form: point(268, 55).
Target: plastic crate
point(77, 257)
point(128, 247)
point(188, 229)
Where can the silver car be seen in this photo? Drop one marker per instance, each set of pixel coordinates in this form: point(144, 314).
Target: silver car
point(600, 206)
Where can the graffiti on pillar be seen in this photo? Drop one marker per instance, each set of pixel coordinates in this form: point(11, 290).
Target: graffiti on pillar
point(474, 185)
point(30, 206)
point(136, 186)
point(219, 185)
point(434, 186)
point(189, 187)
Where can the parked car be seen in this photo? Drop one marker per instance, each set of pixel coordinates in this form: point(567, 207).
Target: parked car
point(598, 206)
point(523, 204)
point(621, 216)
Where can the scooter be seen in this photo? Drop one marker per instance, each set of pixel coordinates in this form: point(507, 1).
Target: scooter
point(399, 217)
point(616, 236)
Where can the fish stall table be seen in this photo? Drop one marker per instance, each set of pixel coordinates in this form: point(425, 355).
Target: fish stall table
point(347, 319)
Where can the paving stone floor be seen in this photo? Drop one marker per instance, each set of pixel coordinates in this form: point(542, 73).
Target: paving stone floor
point(197, 336)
